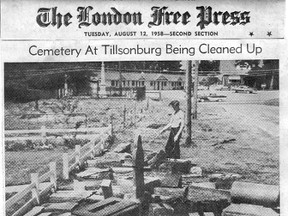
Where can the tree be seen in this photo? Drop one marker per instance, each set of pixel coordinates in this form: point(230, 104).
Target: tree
point(247, 63)
point(209, 67)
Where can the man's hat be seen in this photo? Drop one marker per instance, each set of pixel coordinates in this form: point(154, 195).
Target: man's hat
point(174, 103)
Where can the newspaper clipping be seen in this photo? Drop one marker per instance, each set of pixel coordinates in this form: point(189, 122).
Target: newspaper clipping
point(143, 108)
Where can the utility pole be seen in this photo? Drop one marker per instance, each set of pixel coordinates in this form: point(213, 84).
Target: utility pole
point(188, 141)
point(195, 92)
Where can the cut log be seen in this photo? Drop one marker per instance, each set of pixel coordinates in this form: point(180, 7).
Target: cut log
point(258, 194)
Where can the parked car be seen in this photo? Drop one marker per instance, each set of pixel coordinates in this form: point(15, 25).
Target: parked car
point(245, 89)
point(202, 87)
point(212, 97)
point(222, 88)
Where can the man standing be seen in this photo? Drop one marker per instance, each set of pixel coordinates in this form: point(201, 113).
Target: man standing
point(176, 126)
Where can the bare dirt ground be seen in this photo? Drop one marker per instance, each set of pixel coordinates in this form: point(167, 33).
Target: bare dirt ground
point(244, 118)
point(250, 129)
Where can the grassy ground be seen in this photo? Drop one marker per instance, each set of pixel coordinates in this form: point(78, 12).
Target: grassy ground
point(19, 164)
point(253, 153)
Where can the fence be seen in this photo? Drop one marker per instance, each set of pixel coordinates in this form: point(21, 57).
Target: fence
point(36, 120)
point(79, 155)
point(45, 133)
point(93, 151)
point(34, 189)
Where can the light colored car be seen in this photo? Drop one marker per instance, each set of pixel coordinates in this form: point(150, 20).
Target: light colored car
point(245, 89)
point(202, 87)
point(222, 88)
point(212, 97)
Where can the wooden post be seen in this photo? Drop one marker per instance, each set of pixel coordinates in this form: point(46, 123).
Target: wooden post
point(124, 116)
point(43, 134)
point(111, 125)
point(138, 165)
point(65, 166)
point(77, 156)
point(35, 191)
point(188, 141)
point(135, 113)
point(195, 90)
point(53, 176)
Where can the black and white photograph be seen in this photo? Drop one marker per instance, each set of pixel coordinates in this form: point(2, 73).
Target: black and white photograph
point(142, 137)
point(144, 108)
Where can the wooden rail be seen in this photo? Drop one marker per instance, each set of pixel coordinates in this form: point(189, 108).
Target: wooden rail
point(45, 133)
point(97, 144)
point(33, 188)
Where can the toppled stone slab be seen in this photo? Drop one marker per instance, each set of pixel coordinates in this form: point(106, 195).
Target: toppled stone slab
point(96, 173)
point(117, 191)
point(66, 214)
point(224, 181)
point(171, 181)
point(123, 147)
point(182, 166)
point(170, 195)
point(35, 211)
point(158, 159)
point(60, 207)
point(106, 187)
point(46, 214)
point(205, 214)
point(104, 163)
point(230, 176)
point(110, 206)
point(200, 194)
point(149, 156)
point(195, 171)
point(204, 184)
point(248, 210)
point(150, 183)
point(122, 169)
point(160, 209)
point(69, 196)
